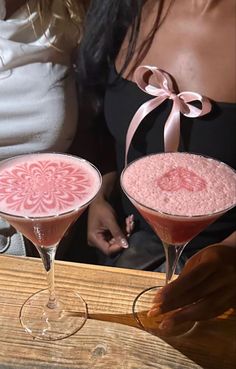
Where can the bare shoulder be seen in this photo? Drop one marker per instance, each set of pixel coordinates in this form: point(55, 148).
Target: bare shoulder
point(196, 43)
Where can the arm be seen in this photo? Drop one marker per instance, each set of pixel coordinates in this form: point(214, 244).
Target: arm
point(230, 241)
point(204, 289)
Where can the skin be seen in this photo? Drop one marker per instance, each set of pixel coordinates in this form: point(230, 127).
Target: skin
point(196, 45)
point(204, 289)
point(104, 231)
point(190, 59)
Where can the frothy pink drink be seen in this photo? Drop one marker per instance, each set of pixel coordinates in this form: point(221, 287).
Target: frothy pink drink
point(179, 194)
point(42, 194)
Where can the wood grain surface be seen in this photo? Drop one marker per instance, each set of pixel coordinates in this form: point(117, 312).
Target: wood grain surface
point(110, 339)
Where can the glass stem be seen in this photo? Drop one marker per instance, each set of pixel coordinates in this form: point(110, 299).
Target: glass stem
point(172, 254)
point(48, 256)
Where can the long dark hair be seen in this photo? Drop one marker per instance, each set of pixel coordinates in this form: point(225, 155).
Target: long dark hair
point(106, 25)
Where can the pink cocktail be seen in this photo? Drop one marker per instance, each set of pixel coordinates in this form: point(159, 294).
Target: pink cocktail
point(179, 194)
point(41, 195)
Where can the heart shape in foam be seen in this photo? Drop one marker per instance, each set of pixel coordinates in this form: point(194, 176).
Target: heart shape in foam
point(181, 178)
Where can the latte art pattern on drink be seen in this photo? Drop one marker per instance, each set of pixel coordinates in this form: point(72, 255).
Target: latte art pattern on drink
point(45, 186)
point(179, 178)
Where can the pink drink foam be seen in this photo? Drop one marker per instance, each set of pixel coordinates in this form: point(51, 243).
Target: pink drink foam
point(46, 184)
point(180, 194)
point(181, 184)
point(41, 195)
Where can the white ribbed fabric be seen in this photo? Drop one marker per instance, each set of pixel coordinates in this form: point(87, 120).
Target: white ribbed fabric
point(38, 110)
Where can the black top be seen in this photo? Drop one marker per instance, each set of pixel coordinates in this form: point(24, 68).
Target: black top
point(213, 135)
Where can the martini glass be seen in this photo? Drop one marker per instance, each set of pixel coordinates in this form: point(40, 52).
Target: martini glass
point(179, 195)
point(41, 195)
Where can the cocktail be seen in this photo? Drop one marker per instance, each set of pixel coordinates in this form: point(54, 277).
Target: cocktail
point(178, 194)
point(41, 195)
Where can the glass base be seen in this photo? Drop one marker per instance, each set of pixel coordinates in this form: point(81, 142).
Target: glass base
point(49, 324)
point(143, 303)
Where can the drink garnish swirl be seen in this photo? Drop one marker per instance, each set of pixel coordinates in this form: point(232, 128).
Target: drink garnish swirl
point(46, 184)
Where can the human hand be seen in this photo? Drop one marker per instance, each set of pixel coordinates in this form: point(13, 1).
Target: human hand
point(103, 229)
point(204, 289)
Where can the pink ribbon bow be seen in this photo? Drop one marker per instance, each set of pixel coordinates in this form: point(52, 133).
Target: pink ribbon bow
point(163, 90)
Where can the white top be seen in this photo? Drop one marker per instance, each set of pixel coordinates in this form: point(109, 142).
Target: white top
point(38, 110)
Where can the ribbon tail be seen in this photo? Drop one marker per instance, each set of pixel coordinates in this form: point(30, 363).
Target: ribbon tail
point(140, 114)
point(172, 129)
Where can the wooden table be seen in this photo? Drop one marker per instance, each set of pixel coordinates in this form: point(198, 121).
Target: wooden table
point(110, 339)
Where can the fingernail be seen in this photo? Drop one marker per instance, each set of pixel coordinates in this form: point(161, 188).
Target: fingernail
point(131, 219)
point(129, 224)
point(123, 243)
point(166, 324)
point(158, 297)
point(154, 311)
